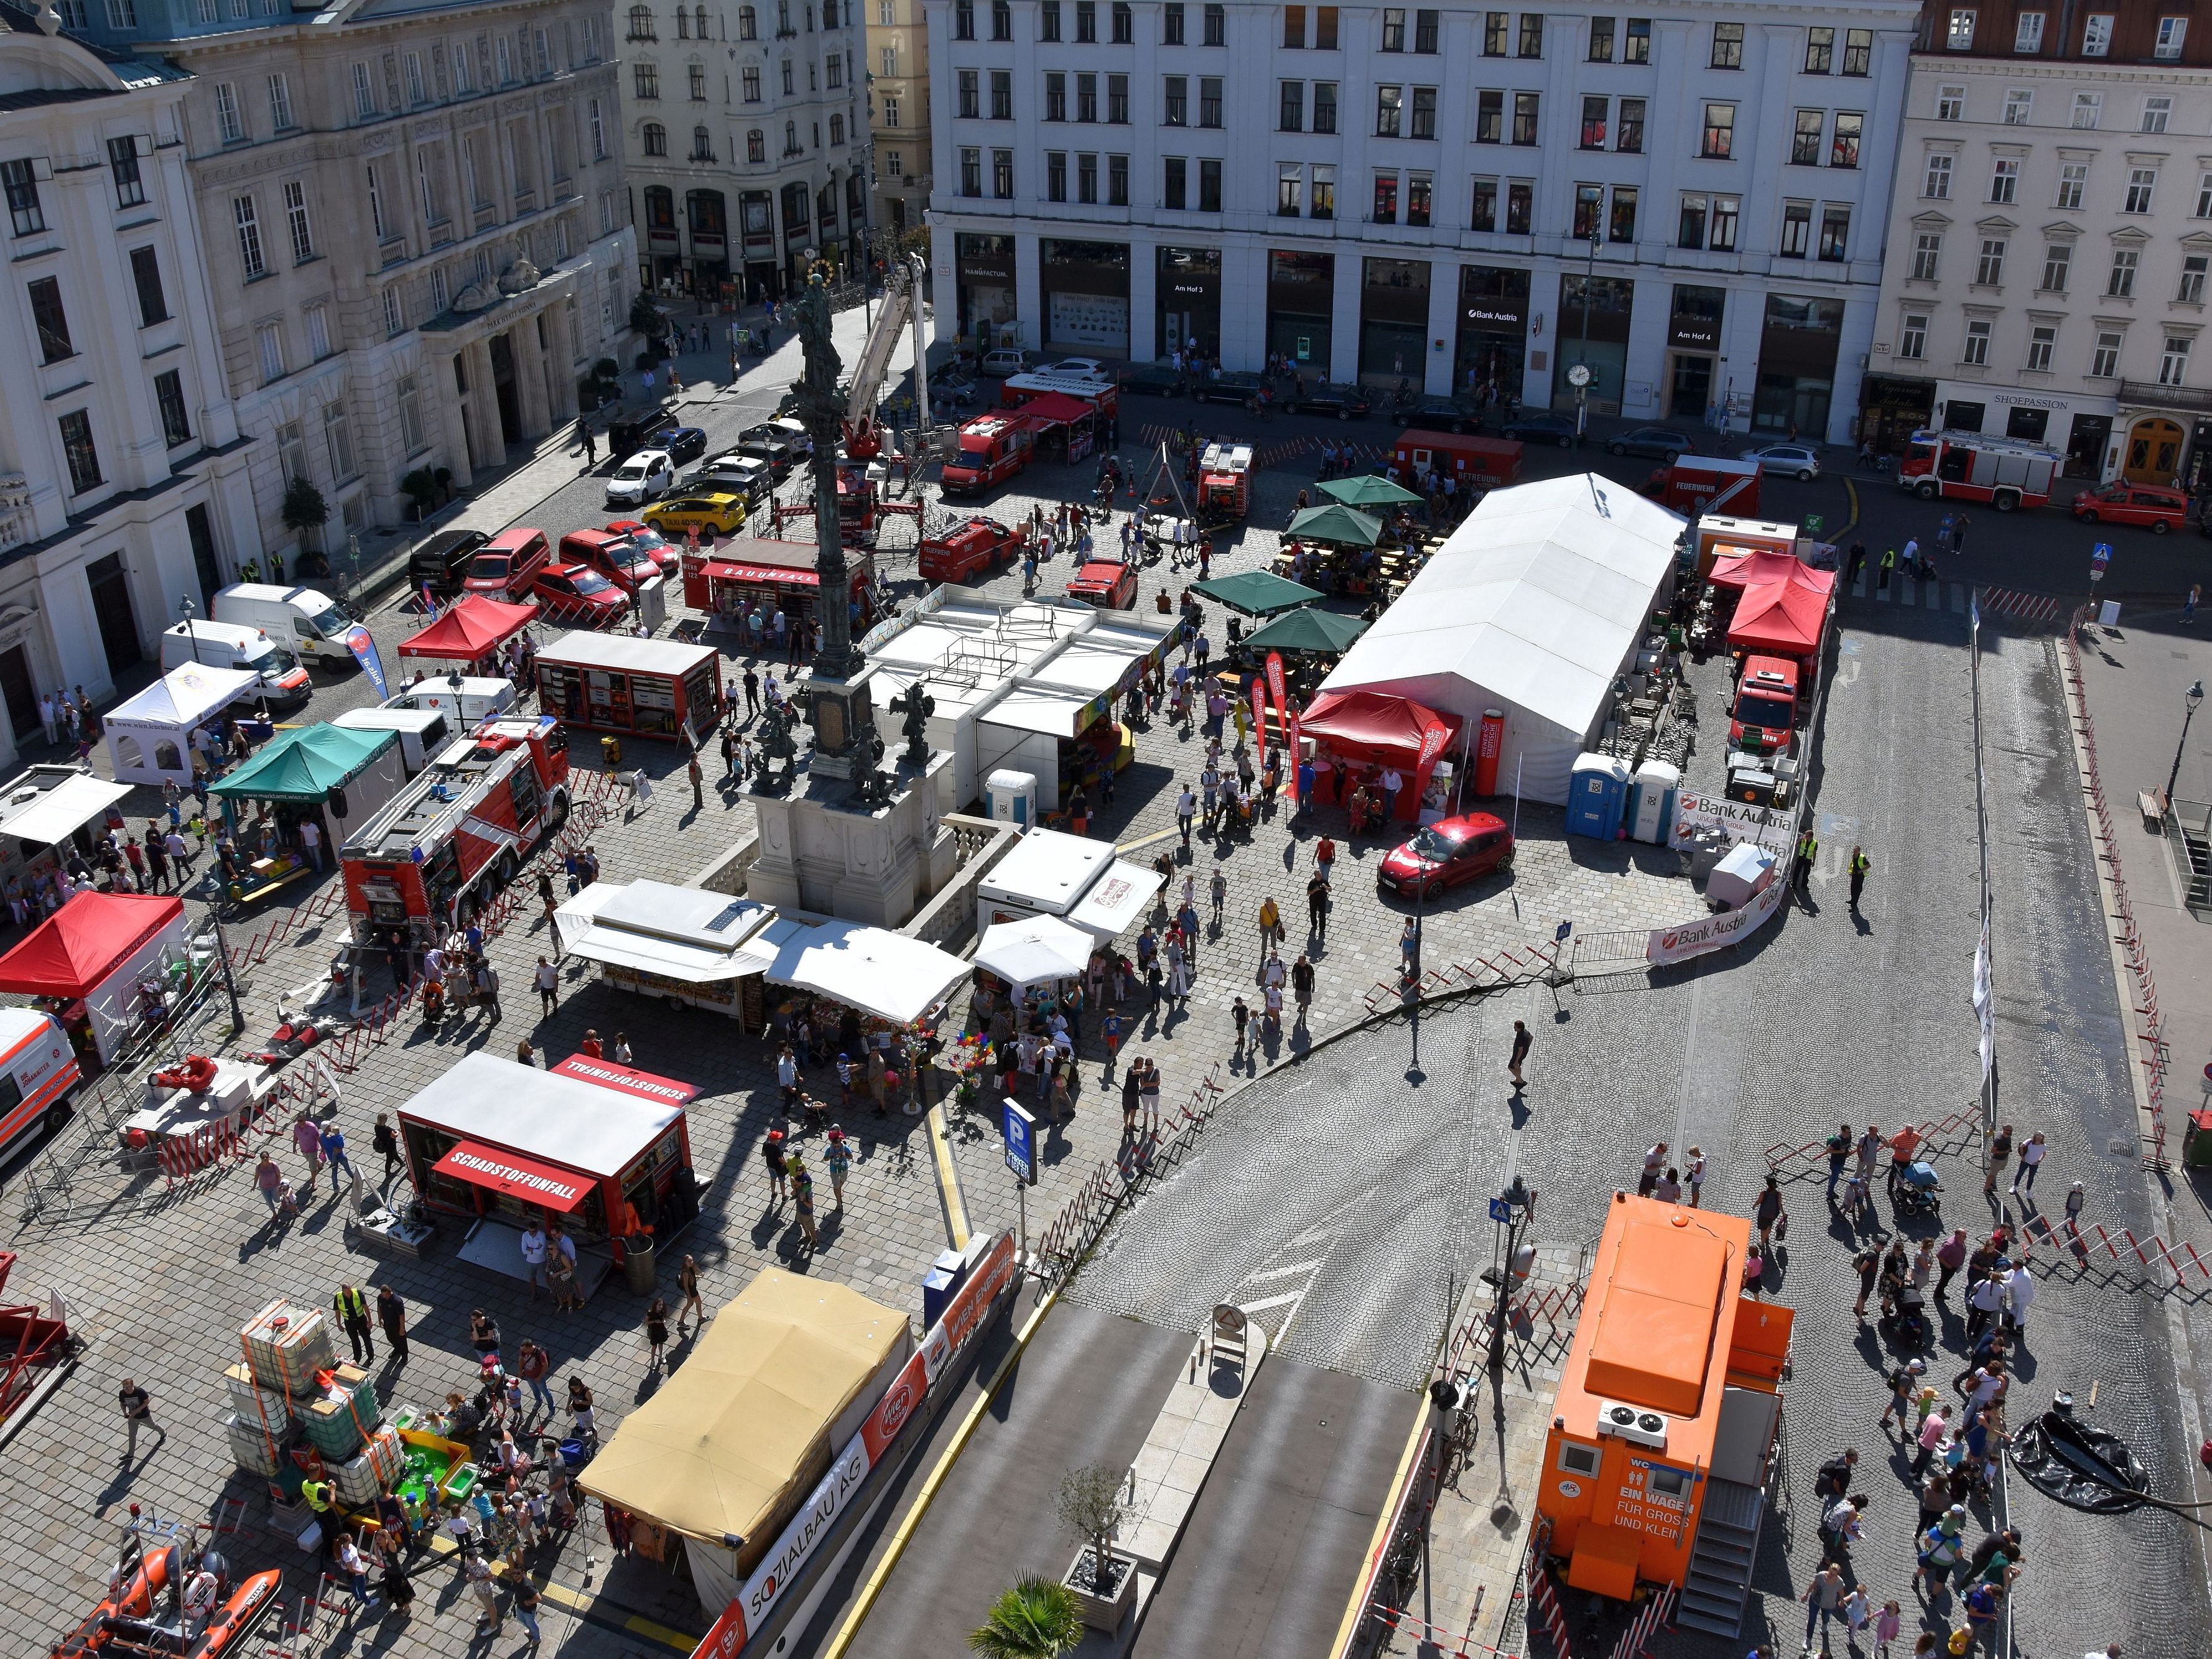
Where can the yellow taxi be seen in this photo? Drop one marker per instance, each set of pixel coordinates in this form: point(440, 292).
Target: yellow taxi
point(723, 515)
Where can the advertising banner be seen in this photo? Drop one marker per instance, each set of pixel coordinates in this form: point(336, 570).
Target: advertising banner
point(1693, 938)
point(1762, 826)
point(1293, 767)
point(1275, 681)
point(1260, 716)
point(364, 652)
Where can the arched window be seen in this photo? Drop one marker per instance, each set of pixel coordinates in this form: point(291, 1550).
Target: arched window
point(756, 145)
point(641, 23)
point(656, 139)
point(702, 144)
point(682, 24)
point(748, 24)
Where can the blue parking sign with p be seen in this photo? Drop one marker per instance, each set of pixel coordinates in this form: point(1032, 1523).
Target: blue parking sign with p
point(1020, 1130)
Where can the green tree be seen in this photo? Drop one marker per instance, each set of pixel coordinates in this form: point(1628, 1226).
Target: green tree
point(1035, 1620)
point(1092, 1506)
point(305, 512)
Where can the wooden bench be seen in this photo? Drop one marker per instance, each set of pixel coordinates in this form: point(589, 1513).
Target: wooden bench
point(2154, 806)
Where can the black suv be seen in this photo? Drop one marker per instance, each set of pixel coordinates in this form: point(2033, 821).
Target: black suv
point(1440, 415)
point(1347, 402)
point(1233, 388)
point(440, 563)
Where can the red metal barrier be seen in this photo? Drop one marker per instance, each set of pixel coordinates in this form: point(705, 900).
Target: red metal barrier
point(181, 1155)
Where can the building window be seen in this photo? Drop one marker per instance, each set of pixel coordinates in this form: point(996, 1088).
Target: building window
point(645, 80)
point(756, 145)
point(2193, 268)
point(227, 121)
point(2042, 342)
point(122, 14)
point(1927, 255)
point(1002, 21)
point(2097, 34)
point(52, 321)
point(319, 319)
point(1621, 226)
point(1690, 222)
point(1482, 209)
point(1526, 109)
point(749, 82)
point(1989, 266)
point(249, 237)
point(1601, 40)
point(146, 276)
point(1726, 210)
point(969, 91)
point(1496, 30)
point(2174, 361)
point(1291, 107)
point(748, 23)
point(295, 221)
point(1117, 182)
point(364, 92)
point(2027, 32)
point(1595, 112)
point(1215, 21)
point(1324, 106)
point(971, 172)
point(1087, 23)
point(1532, 35)
point(1805, 141)
point(122, 163)
point(1960, 36)
point(1975, 352)
point(1912, 342)
point(1117, 100)
point(169, 398)
point(1835, 232)
point(1124, 21)
point(1002, 174)
point(1844, 150)
point(1796, 229)
point(1719, 131)
point(682, 24)
point(1002, 95)
point(2058, 266)
point(2004, 180)
point(269, 342)
point(2141, 182)
point(963, 20)
point(1728, 45)
point(1386, 199)
point(1636, 46)
point(1950, 103)
point(1520, 207)
point(2088, 106)
point(1171, 24)
point(656, 139)
point(77, 447)
point(1629, 139)
point(395, 313)
point(2073, 180)
point(2018, 106)
point(1056, 98)
point(2105, 359)
point(1589, 203)
point(1937, 186)
point(2156, 113)
point(1820, 51)
point(702, 144)
point(1209, 100)
point(1426, 24)
point(1174, 102)
point(2121, 283)
point(1324, 193)
point(1490, 118)
point(599, 133)
point(1389, 103)
point(1294, 26)
point(2171, 32)
point(1424, 112)
point(1174, 178)
point(1420, 188)
point(1055, 175)
point(1290, 190)
point(696, 76)
point(1393, 29)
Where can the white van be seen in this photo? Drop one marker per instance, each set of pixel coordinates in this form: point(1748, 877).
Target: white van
point(219, 645)
point(463, 699)
point(38, 1069)
point(423, 731)
point(307, 622)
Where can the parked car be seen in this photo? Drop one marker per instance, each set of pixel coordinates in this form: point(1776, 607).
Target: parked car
point(504, 566)
point(648, 540)
point(1445, 854)
point(1233, 388)
point(1449, 413)
point(1540, 427)
point(645, 477)
point(686, 444)
point(767, 444)
point(1153, 380)
point(1003, 361)
point(714, 510)
point(441, 563)
point(1347, 402)
point(736, 473)
point(1107, 583)
point(616, 558)
point(973, 546)
point(1798, 461)
point(1096, 368)
point(2153, 507)
point(1659, 440)
point(579, 597)
point(643, 429)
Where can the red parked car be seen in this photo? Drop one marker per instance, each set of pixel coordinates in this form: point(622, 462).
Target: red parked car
point(617, 558)
point(1445, 854)
point(579, 597)
point(668, 554)
point(2153, 507)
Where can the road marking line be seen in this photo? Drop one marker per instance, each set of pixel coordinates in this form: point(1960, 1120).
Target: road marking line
point(1935, 596)
point(948, 1179)
point(1280, 1273)
point(584, 1604)
point(1146, 841)
point(1267, 1302)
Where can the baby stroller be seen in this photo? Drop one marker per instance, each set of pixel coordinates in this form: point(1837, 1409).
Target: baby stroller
point(1918, 1193)
point(1905, 1324)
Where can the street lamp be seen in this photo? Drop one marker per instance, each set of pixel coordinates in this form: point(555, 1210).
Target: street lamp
point(2190, 699)
point(1582, 350)
point(184, 609)
point(1516, 1204)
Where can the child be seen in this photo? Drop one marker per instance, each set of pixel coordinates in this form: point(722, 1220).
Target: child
point(1239, 1015)
point(1110, 1027)
point(1885, 1626)
point(838, 1155)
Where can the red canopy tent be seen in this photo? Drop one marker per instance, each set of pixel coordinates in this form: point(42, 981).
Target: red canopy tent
point(1752, 568)
point(1058, 409)
point(75, 948)
point(1784, 617)
point(1381, 730)
point(470, 631)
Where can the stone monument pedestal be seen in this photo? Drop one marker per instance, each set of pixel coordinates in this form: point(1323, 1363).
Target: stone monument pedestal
point(821, 850)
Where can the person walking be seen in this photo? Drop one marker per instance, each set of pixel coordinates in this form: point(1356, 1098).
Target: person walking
point(802, 1198)
point(1999, 1155)
point(1888, 564)
point(1522, 1042)
point(383, 1139)
point(1769, 1214)
point(837, 1154)
point(547, 978)
point(1270, 924)
point(352, 1310)
point(269, 1180)
point(1317, 905)
point(1409, 948)
point(698, 782)
point(1822, 1597)
point(138, 1408)
point(1858, 866)
point(391, 1314)
point(534, 1365)
point(656, 1331)
point(2030, 1160)
point(1186, 810)
point(2189, 604)
point(687, 1281)
point(1950, 1256)
point(307, 1140)
point(1302, 985)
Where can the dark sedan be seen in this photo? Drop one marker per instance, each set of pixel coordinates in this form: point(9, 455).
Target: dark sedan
point(1154, 380)
point(1345, 403)
point(686, 445)
point(1440, 415)
point(1654, 440)
point(1234, 388)
point(1539, 428)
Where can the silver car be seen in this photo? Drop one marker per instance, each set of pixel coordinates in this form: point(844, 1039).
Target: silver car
point(645, 477)
point(1797, 461)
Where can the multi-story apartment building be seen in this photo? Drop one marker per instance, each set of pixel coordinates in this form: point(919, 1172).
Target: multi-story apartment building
point(124, 487)
point(757, 107)
point(414, 228)
point(2050, 237)
point(1689, 202)
point(898, 111)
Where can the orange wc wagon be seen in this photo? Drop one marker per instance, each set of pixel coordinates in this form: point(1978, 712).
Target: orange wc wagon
point(1669, 1414)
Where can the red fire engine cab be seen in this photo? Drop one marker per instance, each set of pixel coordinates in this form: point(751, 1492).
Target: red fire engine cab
point(992, 448)
point(1224, 483)
point(1974, 466)
point(461, 829)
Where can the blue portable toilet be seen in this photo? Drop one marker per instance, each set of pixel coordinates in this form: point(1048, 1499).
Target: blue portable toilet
point(1597, 797)
point(1651, 801)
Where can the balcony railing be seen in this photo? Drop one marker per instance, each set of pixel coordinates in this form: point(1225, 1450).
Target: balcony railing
point(2195, 399)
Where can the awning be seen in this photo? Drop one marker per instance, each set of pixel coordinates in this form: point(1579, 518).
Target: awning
point(683, 934)
point(722, 570)
point(1117, 899)
point(1058, 409)
point(1367, 490)
point(1258, 593)
point(61, 810)
point(884, 974)
point(475, 627)
point(628, 1080)
point(1306, 631)
point(515, 1175)
point(306, 764)
point(1375, 726)
point(1033, 950)
point(1337, 523)
point(75, 948)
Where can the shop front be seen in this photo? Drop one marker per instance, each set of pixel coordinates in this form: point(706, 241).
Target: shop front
point(1493, 329)
point(1086, 287)
point(1187, 300)
point(1798, 345)
point(1892, 407)
point(983, 280)
point(709, 221)
point(1394, 320)
point(757, 227)
point(1593, 316)
point(2166, 441)
point(663, 245)
point(1301, 302)
point(1693, 348)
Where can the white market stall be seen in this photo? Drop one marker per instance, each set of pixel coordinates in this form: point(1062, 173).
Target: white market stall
point(52, 812)
point(1035, 950)
point(149, 736)
point(1050, 873)
point(1535, 605)
point(896, 979)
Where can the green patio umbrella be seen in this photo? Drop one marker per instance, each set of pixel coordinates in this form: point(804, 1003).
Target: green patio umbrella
point(1306, 631)
point(1369, 491)
point(1338, 524)
point(1257, 592)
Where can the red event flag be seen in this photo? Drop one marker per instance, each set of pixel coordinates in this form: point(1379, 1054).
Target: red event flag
point(1260, 714)
point(1292, 738)
point(1433, 745)
point(1275, 681)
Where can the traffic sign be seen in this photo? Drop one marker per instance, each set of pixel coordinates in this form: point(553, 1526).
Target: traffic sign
point(1500, 1210)
point(1813, 524)
point(2101, 554)
point(1019, 1128)
point(1559, 933)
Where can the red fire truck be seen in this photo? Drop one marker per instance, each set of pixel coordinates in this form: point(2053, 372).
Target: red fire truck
point(1974, 466)
point(1224, 483)
point(460, 831)
point(992, 448)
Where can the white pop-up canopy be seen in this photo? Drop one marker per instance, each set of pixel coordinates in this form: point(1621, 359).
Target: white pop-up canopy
point(880, 973)
point(1534, 607)
point(149, 737)
point(1034, 951)
point(685, 933)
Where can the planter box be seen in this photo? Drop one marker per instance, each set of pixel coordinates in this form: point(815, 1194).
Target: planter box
point(1103, 1612)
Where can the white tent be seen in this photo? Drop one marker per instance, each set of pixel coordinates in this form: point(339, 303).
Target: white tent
point(1534, 606)
point(1034, 950)
point(149, 737)
point(884, 973)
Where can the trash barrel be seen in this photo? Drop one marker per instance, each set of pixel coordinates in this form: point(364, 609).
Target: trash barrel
point(637, 1263)
point(611, 751)
point(2197, 1141)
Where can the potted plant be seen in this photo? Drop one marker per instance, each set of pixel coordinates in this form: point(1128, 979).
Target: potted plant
point(421, 490)
point(304, 511)
point(1094, 1505)
point(1035, 1620)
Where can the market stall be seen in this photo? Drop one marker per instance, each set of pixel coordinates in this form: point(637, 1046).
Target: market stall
point(742, 575)
point(685, 944)
point(502, 1144)
point(1786, 617)
point(1356, 735)
point(613, 682)
point(472, 630)
point(1034, 951)
point(897, 980)
point(1067, 428)
point(333, 776)
point(90, 963)
point(149, 736)
point(50, 813)
point(1048, 874)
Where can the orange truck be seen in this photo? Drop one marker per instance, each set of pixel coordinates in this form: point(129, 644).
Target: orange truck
point(1486, 463)
point(992, 448)
point(1669, 1414)
point(1224, 483)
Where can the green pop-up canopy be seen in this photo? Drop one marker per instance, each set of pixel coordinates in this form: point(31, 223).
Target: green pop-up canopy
point(1257, 592)
point(1337, 523)
point(1307, 630)
point(1367, 490)
point(306, 765)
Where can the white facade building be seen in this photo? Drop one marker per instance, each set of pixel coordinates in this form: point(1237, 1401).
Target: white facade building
point(1391, 192)
point(123, 481)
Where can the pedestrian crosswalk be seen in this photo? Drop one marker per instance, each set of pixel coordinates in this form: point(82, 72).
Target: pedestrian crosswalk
point(1955, 597)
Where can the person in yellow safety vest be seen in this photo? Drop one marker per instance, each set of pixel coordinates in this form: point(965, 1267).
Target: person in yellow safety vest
point(318, 1494)
point(352, 1310)
point(1807, 848)
point(1860, 864)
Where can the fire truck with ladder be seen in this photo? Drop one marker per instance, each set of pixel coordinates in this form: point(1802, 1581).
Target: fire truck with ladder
point(862, 506)
point(460, 831)
point(1974, 466)
point(1224, 483)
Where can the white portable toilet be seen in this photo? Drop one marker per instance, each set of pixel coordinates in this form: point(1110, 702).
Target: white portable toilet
point(1651, 801)
point(1012, 797)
